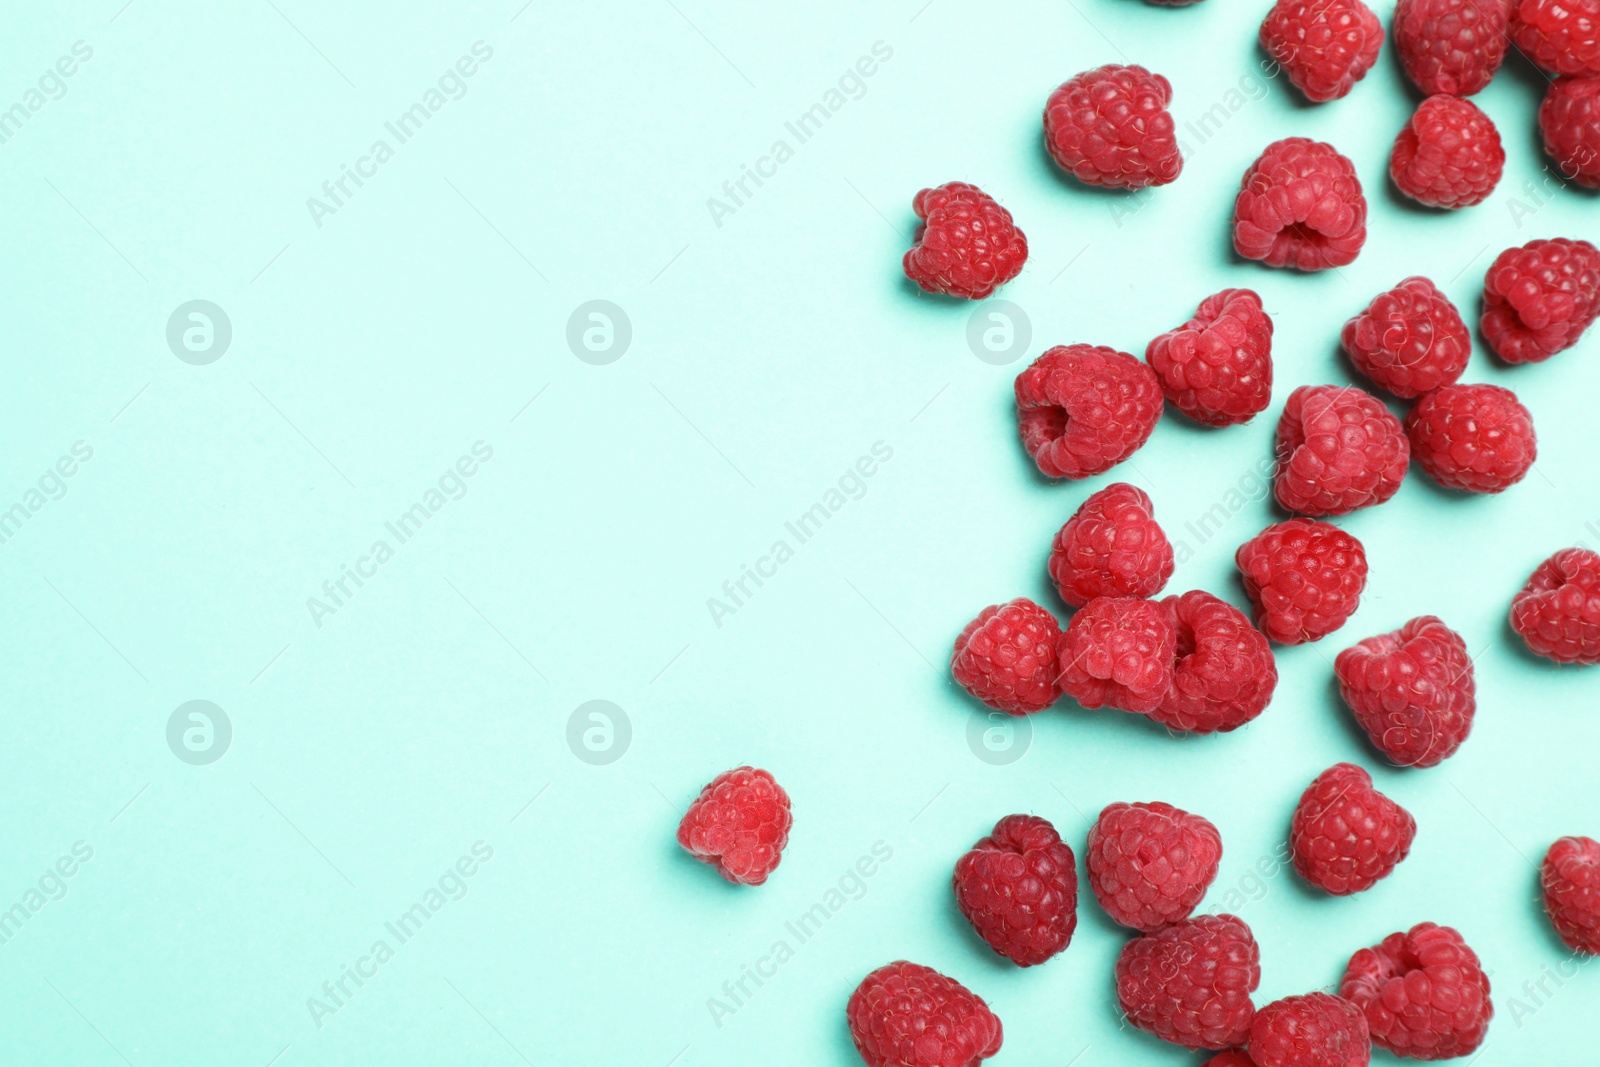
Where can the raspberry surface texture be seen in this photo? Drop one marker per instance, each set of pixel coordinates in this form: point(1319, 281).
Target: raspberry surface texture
point(1118, 652)
point(1325, 46)
point(1083, 409)
point(1233, 1057)
point(1339, 449)
point(1190, 983)
point(1409, 340)
point(1476, 438)
point(1424, 993)
point(1304, 577)
point(739, 824)
point(1571, 880)
point(967, 244)
point(1225, 671)
point(1345, 835)
point(1018, 888)
point(907, 1015)
point(1006, 657)
point(1110, 127)
point(1449, 155)
point(1569, 121)
point(1150, 864)
point(1539, 298)
point(1412, 691)
point(1558, 611)
point(1451, 46)
point(1561, 36)
point(1111, 546)
point(1312, 1030)
point(1217, 367)
point(1300, 205)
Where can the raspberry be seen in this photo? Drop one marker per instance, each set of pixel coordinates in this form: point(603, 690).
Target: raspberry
point(1345, 835)
point(1538, 299)
point(1562, 36)
point(739, 824)
point(1006, 657)
point(1451, 46)
point(1018, 888)
point(1449, 155)
point(1477, 438)
point(1409, 340)
point(1118, 652)
point(1571, 880)
point(1424, 993)
point(1314, 1030)
point(967, 244)
point(907, 1015)
point(1233, 1057)
point(1110, 127)
point(1412, 691)
point(1111, 547)
point(1304, 577)
point(1339, 449)
point(1149, 864)
point(1190, 983)
point(1225, 673)
point(1325, 46)
point(1217, 367)
point(1300, 205)
point(1558, 611)
point(1083, 409)
point(1569, 119)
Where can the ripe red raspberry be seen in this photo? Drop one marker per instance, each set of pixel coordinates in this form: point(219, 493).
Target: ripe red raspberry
point(1409, 340)
point(967, 245)
point(1451, 46)
point(1110, 127)
point(1304, 577)
point(907, 1015)
point(1149, 864)
point(1424, 993)
point(1018, 888)
point(1225, 673)
point(1412, 691)
point(1339, 449)
point(1118, 652)
point(1190, 983)
point(1006, 657)
point(739, 824)
point(1083, 409)
point(1538, 299)
point(1571, 880)
point(1345, 835)
point(1325, 46)
point(1562, 36)
point(1569, 119)
point(1558, 611)
point(1476, 438)
point(1300, 205)
point(1111, 546)
point(1313, 1030)
point(1217, 367)
point(1233, 1057)
point(1449, 155)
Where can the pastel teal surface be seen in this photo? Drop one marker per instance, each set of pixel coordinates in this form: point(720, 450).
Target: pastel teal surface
point(391, 736)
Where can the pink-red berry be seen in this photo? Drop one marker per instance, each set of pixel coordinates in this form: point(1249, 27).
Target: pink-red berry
point(1111, 546)
point(1448, 155)
point(1539, 298)
point(907, 1015)
point(1233, 1057)
point(1476, 438)
point(1083, 409)
point(1217, 367)
point(1570, 877)
point(1006, 657)
point(1118, 652)
point(1562, 36)
point(1424, 993)
point(1325, 46)
point(967, 244)
point(1345, 835)
point(1558, 611)
point(1018, 888)
point(1451, 46)
point(1304, 577)
point(1149, 864)
point(739, 824)
point(1110, 127)
point(1412, 691)
point(1569, 120)
point(1409, 340)
point(1339, 449)
point(1312, 1030)
point(1190, 983)
point(1300, 205)
point(1225, 672)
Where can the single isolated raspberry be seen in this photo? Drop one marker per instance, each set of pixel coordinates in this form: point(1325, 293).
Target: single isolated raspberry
point(1562, 36)
point(1558, 611)
point(1569, 119)
point(1325, 46)
point(1225, 672)
point(1476, 438)
point(907, 1015)
point(1300, 205)
point(1083, 409)
point(1110, 127)
point(739, 824)
point(1118, 652)
point(1412, 691)
point(1571, 880)
point(1018, 888)
point(1304, 577)
point(1313, 1030)
point(967, 245)
point(1006, 657)
point(1424, 993)
point(1409, 340)
point(1217, 367)
point(1149, 864)
point(1339, 449)
point(1449, 155)
point(1538, 299)
point(1111, 546)
point(1345, 835)
point(1451, 46)
point(1190, 983)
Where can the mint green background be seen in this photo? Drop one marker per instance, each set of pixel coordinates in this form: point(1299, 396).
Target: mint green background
point(769, 353)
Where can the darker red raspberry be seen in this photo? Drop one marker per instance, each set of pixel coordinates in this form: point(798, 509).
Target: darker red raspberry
point(1538, 299)
point(1018, 888)
point(739, 824)
point(1562, 36)
point(1409, 340)
point(1006, 657)
point(1339, 449)
point(1313, 1030)
point(1083, 409)
point(1558, 611)
point(1424, 993)
point(1110, 127)
point(1233, 1057)
point(1217, 367)
point(1190, 983)
point(1451, 46)
point(1225, 673)
point(1304, 577)
point(1118, 652)
point(1300, 205)
point(967, 244)
point(1477, 438)
point(907, 1015)
point(1325, 46)
point(1569, 119)
point(1149, 864)
point(1345, 835)
point(1412, 691)
point(1111, 546)
point(1571, 880)
point(1449, 155)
